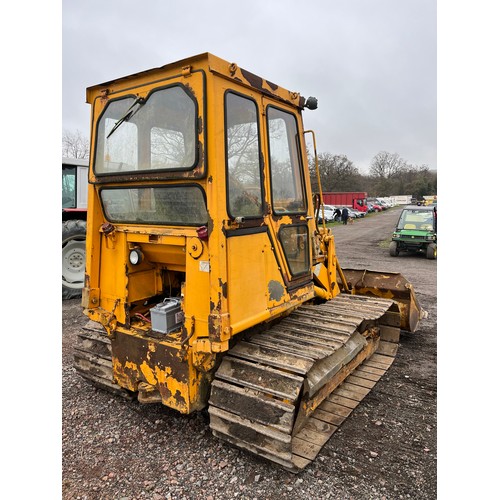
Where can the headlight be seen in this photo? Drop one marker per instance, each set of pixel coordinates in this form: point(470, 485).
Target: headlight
point(135, 256)
point(396, 235)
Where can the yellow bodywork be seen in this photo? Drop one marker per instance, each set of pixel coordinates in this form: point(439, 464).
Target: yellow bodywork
point(235, 279)
point(232, 272)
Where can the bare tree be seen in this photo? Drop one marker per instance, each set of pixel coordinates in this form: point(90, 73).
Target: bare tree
point(243, 153)
point(169, 150)
point(337, 172)
point(387, 165)
point(75, 145)
point(389, 175)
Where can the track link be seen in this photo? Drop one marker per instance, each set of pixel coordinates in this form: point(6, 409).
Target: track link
point(283, 393)
point(92, 359)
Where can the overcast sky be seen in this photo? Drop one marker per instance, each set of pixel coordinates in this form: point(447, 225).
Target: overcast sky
point(370, 63)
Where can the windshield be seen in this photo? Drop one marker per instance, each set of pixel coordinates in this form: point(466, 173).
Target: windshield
point(158, 133)
point(416, 219)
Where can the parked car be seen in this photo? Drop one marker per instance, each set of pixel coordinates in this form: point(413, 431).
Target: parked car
point(386, 201)
point(335, 210)
point(329, 213)
point(376, 207)
point(355, 214)
point(416, 231)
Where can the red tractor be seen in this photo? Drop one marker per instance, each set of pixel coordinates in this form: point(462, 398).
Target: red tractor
point(74, 225)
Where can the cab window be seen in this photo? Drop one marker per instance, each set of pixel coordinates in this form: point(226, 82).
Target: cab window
point(294, 239)
point(284, 158)
point(167, 205)
point(156, 133)
point(243, 157)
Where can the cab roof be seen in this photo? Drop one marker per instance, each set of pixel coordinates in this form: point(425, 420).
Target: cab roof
point(210, 63)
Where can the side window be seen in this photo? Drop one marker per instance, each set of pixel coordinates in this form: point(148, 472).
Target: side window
point(294, 240)
point(286, 176)
point(243, 157)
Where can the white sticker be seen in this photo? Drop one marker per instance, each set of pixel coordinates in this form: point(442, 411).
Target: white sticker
point(317, 269)
point(204, 266)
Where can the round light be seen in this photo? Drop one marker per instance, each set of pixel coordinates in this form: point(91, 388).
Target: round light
point(135, 256)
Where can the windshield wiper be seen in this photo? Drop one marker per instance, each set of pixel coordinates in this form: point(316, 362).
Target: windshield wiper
point(129, 114)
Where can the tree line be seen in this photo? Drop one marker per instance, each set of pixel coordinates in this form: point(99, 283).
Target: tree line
point(389, 173)
point(75, 145)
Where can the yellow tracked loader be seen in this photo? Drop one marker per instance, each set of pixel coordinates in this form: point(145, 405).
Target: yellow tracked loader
point(209, 282)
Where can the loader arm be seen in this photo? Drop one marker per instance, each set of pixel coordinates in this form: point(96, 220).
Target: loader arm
point(330, 279)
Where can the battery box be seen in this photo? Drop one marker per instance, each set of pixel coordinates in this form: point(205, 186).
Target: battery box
point(167, 316)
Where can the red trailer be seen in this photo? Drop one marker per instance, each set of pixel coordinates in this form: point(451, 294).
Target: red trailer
point(356, 200)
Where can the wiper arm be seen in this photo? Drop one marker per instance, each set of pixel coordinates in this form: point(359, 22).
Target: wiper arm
point(129, 114)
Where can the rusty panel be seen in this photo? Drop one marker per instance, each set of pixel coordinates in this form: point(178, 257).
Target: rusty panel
point(390, 286)
point(165, 367)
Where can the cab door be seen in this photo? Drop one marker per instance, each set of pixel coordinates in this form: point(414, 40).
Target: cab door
point(249, 268)
point(287, 193)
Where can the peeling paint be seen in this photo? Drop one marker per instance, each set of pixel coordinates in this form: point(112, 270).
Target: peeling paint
point(276, 290)
point(254, 80)
point(131, 366)
point(210, 224)
point(272, 85)
point(223, 287)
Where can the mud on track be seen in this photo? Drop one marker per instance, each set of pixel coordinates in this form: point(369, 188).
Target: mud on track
point(386, 449)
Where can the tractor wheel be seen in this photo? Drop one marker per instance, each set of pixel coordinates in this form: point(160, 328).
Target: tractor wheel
point(73, 258)
point(431, 251)
point(393, 249)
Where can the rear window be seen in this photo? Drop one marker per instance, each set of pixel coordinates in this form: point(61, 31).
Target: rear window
point(158, 133)
point(166, 205)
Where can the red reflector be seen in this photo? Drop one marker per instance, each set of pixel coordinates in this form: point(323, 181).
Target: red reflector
point(202, 233)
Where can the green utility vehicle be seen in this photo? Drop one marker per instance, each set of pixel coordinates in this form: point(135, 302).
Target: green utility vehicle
point(416, 231)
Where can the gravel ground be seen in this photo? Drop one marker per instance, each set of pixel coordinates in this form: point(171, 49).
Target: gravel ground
point(387, 448)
